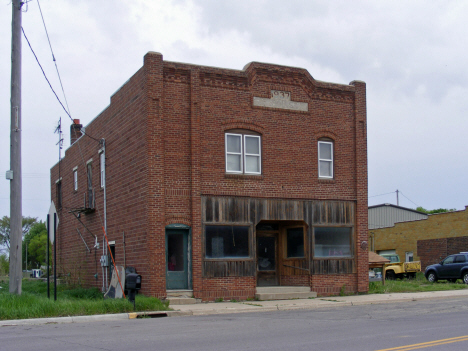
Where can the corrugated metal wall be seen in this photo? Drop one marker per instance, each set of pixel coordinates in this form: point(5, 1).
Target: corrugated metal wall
point(387, 215)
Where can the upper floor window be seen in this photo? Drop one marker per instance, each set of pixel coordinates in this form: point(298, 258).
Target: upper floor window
point(243, 153)
point(58, 193)
point(75, 178)
point(325, 159)
point(102, 159)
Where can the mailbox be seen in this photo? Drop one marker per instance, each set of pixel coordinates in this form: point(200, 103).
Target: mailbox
point(132, 284)
point(132, 281)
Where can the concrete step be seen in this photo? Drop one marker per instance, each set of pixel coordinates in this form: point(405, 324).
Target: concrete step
point(284, 293)
point(181, 300)
point(179, 293)
point(281, 289)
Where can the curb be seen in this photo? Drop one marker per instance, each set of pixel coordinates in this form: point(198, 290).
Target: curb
point(281, 305)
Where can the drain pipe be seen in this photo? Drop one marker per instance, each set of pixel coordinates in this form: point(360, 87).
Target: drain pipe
point(103, 186)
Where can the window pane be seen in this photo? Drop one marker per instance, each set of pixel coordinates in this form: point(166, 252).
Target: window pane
point(252, 164)
point(226, 241)
point(325, 151)
point(233, 143)
point(252, 145)
point(233, 163)
point(175, 252)
point(295, 242)
point(332, 242)
point(325, 169)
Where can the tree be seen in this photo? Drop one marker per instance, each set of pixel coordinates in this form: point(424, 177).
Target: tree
point(36, 242)
point(4, 264)
point(27, 222)
point(439, 210)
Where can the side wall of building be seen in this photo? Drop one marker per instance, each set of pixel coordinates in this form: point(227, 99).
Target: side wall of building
point(123, 126)
point(432, 251)
point(403, 237)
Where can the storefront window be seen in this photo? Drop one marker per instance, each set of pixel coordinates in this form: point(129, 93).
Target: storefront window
point(226, 241)
point(332, 242)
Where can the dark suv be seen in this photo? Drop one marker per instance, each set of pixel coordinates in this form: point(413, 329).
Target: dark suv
point(451, 268)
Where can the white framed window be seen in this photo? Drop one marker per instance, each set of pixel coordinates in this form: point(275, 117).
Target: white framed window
point(75, 178)
point(243, 153)
point(325, 159)
point(102, 159)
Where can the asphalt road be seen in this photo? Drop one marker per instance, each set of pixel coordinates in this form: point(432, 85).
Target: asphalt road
point(440, 323)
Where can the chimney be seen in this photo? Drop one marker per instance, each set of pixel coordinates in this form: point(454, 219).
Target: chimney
point(75, 131)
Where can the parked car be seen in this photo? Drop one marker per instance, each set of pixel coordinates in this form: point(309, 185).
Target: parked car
point(451, 268)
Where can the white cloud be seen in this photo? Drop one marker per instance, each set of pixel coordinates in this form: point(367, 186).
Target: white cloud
point(411, 55)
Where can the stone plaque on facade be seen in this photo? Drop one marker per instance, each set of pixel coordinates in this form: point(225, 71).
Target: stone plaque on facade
point(281, 99)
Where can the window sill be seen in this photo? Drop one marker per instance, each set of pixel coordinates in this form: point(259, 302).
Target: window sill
point(243, 176)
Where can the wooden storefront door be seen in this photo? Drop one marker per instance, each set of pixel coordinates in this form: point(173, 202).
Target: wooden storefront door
point(267, 259)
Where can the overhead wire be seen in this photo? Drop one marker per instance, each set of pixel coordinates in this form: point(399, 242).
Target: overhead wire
point(50, 85)
point(381, 194)
point(53, 58)
point(67, 110)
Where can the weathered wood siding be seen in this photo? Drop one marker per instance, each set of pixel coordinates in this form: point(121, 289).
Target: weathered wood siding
point(242, 210)
point(333, 266)
point(229, 268)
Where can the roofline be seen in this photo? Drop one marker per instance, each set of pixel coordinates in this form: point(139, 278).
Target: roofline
point(399, 207)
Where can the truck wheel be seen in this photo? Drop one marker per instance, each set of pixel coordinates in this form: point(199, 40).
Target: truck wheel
point(465, 277)
point(432, 278)
point(391, 275)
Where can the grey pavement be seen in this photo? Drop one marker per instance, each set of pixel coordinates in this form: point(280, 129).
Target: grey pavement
point(254, 306)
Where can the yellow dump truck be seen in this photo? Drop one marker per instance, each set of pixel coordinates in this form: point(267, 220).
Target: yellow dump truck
point(397, 269)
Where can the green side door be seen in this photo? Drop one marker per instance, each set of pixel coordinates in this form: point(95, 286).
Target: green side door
point(177, 267)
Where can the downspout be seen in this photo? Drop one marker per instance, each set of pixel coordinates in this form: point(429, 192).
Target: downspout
point(103, 184)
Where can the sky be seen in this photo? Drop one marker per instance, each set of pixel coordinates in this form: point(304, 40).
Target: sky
point(411, 54)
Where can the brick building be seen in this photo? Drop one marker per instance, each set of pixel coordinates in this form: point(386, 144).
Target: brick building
point(426, 240)
point(217, 181)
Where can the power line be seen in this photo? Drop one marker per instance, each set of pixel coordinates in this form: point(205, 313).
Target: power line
point(50, 85)
point(409, 199)
point(53, 57)
point(381, 194)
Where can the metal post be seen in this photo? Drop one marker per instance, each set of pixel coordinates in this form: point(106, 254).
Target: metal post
point(48, 254)
point(16, 215)
point(55, 257)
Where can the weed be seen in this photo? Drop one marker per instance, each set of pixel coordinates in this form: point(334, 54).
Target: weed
point(219, 299)
point(343, 290)
point(71, 301)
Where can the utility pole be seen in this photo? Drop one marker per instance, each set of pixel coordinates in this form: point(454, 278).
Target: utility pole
point(16, 215)
point(397, 200)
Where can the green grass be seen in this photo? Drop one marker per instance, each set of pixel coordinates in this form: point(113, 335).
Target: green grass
point(77, 301)
point(419, 284)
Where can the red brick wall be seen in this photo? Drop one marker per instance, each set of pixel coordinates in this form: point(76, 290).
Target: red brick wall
point(334, 284)
point(432, 251)
point(238, 288)
point(164, 133)
point(122, 124)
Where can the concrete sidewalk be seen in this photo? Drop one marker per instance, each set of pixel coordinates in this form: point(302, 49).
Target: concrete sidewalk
point(253, 306)
point(318, 302)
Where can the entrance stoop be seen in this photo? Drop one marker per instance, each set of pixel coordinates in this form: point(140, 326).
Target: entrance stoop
point(284, 292)
point(180, 297)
